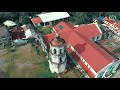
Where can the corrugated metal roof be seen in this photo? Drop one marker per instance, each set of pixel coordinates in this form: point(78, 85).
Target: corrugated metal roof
point(9, 23)
point(36, 20)
point(65, 25)
point(93, 54)
point(79, 61)
point(46, 17)
point(89, 30)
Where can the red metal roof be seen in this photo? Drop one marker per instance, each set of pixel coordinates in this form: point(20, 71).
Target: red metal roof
point(117, 24)
point(65, 25)
point(86, 69)
point(109, 20)
point(88, 30)
point(36, 20)
point(69, 25)
point(88, 50)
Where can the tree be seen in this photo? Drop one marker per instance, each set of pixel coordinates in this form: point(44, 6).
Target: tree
point(78, 17)
point(87, 17)
point(16, 16)
point(7, 16)
point(83, 17)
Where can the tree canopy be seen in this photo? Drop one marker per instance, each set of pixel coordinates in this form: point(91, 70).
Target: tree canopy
point(87, 17)
point(16, 16)
point(76, 17)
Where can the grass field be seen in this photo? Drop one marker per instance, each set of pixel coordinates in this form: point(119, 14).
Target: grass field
point(24, 63)
point(47, 30)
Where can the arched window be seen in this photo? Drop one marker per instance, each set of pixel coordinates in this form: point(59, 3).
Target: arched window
point(60, 59)
point(54, 51)
point(60, 51)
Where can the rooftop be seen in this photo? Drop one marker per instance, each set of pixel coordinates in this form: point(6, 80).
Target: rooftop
point(89, 30)
point(36, 20)
point(57, 41)
point(63, 26)
point(9, 23)
point(51, 16)
point(112, 21)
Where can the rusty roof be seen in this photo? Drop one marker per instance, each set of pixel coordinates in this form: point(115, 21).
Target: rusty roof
point(57, 41)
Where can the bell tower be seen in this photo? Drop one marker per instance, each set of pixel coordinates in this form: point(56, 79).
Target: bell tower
point(57, 55)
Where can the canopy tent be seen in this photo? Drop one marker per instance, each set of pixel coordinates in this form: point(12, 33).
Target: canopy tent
point(51, 16)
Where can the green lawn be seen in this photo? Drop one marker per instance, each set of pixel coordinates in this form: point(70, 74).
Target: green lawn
point(47, 30)
point(45, 73)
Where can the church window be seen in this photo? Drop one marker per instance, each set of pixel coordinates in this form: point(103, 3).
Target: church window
point(60, 51)
point(54, 51)
point(60, 59)
point(97, 37)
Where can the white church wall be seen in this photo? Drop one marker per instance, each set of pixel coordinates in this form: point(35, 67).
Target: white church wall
point(57, 62)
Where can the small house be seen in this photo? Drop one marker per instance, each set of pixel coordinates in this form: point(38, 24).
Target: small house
point(112, 25)
point(17, 34)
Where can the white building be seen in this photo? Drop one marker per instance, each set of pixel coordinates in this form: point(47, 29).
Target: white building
point(9, 23)
point(112, 25)
point(49, 18)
